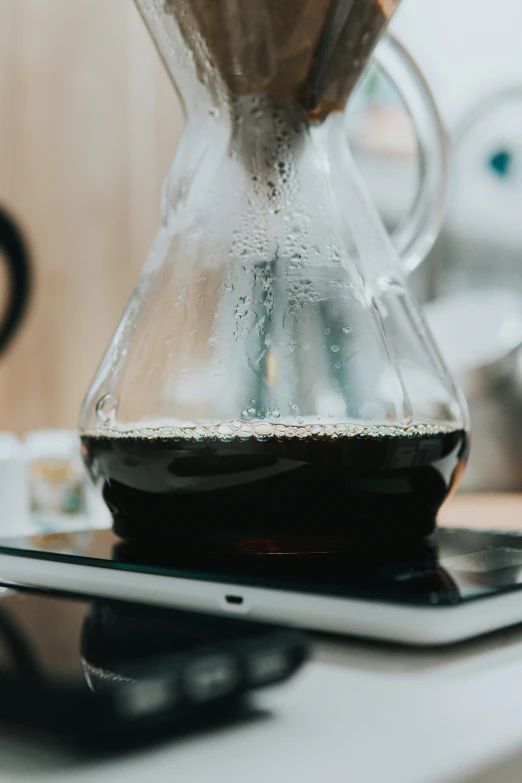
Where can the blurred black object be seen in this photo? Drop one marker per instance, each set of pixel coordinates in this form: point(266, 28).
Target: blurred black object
point(144, 673)
point(16, 254)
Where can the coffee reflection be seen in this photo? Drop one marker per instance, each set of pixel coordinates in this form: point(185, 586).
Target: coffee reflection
point(405, 570)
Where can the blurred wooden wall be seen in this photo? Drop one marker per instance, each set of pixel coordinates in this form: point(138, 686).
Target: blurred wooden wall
point(89, 122)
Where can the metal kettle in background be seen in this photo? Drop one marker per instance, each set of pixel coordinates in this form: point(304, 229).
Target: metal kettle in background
point(15, 254)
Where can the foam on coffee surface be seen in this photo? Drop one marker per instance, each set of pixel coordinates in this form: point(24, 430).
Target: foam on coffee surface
point(241, 430)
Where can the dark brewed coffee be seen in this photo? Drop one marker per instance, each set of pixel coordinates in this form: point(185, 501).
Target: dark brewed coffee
point(297, 492)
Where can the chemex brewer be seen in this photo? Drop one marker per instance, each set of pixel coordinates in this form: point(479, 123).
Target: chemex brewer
point(272, 386)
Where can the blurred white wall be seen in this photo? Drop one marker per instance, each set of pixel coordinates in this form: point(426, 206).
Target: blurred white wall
point(470, 50)
point(466, 48)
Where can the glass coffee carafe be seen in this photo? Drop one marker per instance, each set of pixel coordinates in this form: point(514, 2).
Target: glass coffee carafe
point(272, 386)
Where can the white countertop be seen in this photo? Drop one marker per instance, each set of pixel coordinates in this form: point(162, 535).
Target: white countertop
point(358, 713)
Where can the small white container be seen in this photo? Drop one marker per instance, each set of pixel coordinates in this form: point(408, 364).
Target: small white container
point(60, 494)
point(15, 518)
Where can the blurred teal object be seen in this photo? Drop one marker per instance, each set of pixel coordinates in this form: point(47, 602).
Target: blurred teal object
point(501, 163)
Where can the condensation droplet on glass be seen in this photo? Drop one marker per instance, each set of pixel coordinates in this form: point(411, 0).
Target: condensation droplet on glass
point(228, 287)
point(251, 411)
point(347, 329)
point(300, 420)
point(306, 346)
point(327, 331)
point(106, 409)
point(335, 348)
point(276, 414)
point(338, 365)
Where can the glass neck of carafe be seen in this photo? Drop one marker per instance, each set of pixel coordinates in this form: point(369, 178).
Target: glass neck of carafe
point(284, 185)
